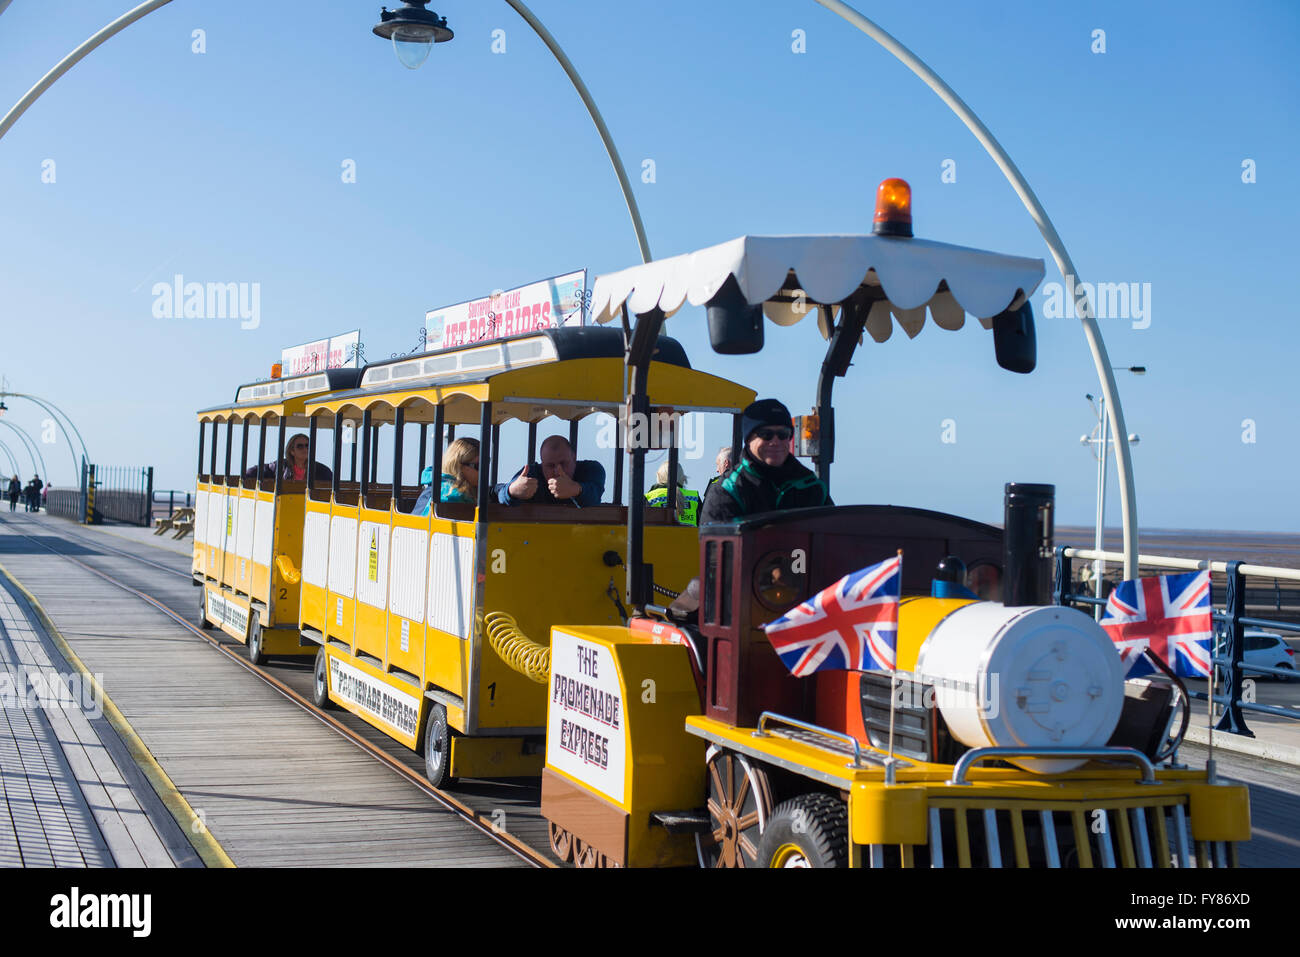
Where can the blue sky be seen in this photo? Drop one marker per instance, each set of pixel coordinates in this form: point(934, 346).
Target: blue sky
point(482, 171)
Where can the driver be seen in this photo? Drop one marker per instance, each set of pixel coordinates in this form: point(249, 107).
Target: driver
point(768, 478)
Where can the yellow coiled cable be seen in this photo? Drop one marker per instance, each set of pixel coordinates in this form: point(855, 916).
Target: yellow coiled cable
point(515, 648)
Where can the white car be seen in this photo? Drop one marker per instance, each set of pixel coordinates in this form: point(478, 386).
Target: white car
point(1267, 650)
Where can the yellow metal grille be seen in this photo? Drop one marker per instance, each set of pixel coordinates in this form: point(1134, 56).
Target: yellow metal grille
point(1110, 834)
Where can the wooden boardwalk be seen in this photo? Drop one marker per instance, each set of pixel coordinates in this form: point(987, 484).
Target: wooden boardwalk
point(66, 781)
point(272, 784)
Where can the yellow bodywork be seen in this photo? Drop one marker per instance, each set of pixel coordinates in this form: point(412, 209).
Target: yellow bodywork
point(537, 572)
point(265, 589)
point(900, 815)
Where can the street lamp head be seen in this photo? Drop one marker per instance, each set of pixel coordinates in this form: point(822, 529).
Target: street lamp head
point(1134, 438)
point(1138, 370)
point(3, 408)
point(413, 30)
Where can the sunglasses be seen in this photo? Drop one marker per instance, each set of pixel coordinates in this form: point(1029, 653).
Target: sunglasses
point(767, 435)
point(300, 445)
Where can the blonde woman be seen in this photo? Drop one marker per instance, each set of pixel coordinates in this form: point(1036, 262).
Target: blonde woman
point(459, 476)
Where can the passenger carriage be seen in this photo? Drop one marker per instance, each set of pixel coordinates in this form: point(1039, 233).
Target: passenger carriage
point(247, 523)
point(433, 628)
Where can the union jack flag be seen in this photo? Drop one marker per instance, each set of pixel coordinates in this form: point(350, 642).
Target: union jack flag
point(1171, 614)
point(852, 625)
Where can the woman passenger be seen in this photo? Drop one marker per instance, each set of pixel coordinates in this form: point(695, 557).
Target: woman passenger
point(459, 477)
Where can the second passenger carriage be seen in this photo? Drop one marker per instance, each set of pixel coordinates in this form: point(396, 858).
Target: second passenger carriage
point(423, 620)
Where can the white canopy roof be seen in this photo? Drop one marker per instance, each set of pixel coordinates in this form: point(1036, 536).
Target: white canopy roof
point(828, 269)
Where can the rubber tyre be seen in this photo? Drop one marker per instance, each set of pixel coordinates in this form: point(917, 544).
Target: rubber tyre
point(808, 831)
point(1286, 678)
point(437, 748)
point(203, 612)
point(256, 655)
point(320, 684)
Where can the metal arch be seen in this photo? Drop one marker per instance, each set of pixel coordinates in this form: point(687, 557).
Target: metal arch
point(12, 461)
point(75, 57)
point(55, 412)
point(30, 444)
point(1091, 331)
point(124, 21)
point(552, 45)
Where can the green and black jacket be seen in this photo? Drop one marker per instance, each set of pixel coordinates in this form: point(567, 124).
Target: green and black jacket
point(753, 487)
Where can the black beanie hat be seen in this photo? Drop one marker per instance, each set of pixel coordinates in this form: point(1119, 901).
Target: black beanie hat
point(763, 413)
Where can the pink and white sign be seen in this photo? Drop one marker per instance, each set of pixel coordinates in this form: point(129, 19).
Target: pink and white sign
point(548, 304)
point(336, 352)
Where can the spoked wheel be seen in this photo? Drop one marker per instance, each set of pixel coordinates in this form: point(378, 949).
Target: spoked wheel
point(561, 842)
point(740, 804)
point(437, 748)
point(584, 855)
point(808, 831)
point(320, 685)
point(203, 612)
point(255, 654)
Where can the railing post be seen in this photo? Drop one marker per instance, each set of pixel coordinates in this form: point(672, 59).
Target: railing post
point(90, 495)
point(148, 498)
point(1064, 573)
point(1233, 720)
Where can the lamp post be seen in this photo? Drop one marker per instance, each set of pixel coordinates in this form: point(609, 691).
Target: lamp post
point(411, 27)
point(414, 30)
point(33, 452)
point(1100, 440)
point(1091, 331)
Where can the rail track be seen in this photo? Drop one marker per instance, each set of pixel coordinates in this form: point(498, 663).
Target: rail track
point(486, 806)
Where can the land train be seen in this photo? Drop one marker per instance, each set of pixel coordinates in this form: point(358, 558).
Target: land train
point(521, 640)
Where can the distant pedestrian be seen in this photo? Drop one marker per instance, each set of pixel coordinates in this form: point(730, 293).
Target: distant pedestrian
point(34, 494)
point(15, 490)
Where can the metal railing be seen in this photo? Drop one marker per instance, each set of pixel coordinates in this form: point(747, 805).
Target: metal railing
point(65, 502)
point(167, 501)
point(1230, 623)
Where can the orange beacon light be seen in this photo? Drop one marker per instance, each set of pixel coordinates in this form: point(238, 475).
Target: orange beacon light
point(893, 208)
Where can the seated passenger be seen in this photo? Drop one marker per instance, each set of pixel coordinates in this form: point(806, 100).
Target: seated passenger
point(459, 478)
point(767, 478)
point(293, 467)
point(688, 500)
point(560, 478)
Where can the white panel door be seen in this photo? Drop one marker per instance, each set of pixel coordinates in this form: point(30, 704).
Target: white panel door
point(201, 517)
point(315, 548)
point(451, 583)
point(244, 527)
point(372, 564)
point(343, 555)
point(264, 532)
point(407, 577)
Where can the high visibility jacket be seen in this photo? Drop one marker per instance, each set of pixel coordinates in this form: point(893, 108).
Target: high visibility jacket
point(688, 503)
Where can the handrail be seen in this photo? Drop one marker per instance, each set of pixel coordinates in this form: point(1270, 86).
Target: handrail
point(858, 757)
point(1230, 645)
point(1190, 564)
point(981, 754)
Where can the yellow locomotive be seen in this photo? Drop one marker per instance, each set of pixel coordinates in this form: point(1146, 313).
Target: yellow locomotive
point(681, 737)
